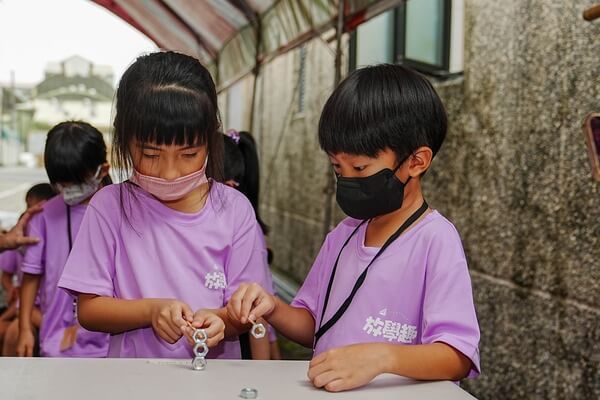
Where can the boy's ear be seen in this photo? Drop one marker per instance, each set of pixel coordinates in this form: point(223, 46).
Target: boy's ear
point(420, 161)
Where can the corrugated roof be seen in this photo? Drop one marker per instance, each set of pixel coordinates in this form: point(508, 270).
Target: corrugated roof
point(224, 34)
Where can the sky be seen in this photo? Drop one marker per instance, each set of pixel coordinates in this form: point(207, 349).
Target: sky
point(35, 32)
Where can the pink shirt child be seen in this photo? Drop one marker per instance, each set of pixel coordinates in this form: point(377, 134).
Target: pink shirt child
point(155, 252)
point(417, 292)
point(48, 258)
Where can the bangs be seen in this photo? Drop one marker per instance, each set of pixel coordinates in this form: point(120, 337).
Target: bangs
point(170, 115)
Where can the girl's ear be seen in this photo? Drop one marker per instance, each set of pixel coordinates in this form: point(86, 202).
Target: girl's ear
point(420, 161)
point(104, 169)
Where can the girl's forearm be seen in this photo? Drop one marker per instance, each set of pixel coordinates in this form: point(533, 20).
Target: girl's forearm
point(29, 289)
point(107, 314)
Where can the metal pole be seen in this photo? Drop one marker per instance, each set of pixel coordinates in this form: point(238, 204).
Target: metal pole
point(1, 125)
point(330, 183)
point(255, 71)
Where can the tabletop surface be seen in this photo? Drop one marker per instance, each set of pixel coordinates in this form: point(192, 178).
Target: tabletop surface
point(128, 379)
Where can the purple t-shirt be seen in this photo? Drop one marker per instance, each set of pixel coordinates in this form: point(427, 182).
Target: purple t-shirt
point(418, 291)
point(48, 258)
point(153, 251)
point(10, 261)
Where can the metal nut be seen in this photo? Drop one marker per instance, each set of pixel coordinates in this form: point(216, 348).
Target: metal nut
point(200, 350)
point(199, 363)
point(200, 336)
point(249, 393)
point(258, 331)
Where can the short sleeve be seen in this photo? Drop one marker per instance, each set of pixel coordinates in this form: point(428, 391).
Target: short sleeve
point(247, 261)
point(90, 267)
point(448, 309)
point(9, 261)
point(308, 295)
point(34, 261)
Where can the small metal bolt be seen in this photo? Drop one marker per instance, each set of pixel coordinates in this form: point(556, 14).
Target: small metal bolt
point(249, 393)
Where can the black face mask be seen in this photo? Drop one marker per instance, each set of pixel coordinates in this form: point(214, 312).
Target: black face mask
point(369, 197)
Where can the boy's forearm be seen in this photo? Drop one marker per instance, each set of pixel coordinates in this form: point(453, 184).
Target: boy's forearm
point(110, 315)
point(435, 361)
point(295, 323)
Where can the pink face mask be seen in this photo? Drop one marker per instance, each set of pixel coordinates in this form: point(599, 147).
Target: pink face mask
point(175, 189)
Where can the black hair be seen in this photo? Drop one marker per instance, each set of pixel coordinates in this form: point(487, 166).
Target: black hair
point(233, 161)
point(379, 107)
point(167, 98)
point(74, 151)
point(241, 165)
point(41, 191)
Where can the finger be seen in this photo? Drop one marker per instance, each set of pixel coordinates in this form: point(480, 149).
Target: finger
point(167, 333)
point(261, 307)
point(324, 379)
point(252, 295)
point(316, 370)
point(215, 339)
point(188, 313)
point(336, 385)
point(26, 240)
point(235, 302)
point(176, 320)
point(189, 334)
point(214, 326)
point(318, 359)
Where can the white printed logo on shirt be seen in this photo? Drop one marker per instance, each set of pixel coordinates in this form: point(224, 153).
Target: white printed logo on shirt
point(215, 280)
point(390, 330)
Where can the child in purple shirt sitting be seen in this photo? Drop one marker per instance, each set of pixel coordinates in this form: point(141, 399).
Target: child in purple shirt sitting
point(389, 291)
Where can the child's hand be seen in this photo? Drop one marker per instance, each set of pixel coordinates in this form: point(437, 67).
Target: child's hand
point(346, 367)
point(249, 303)
point(25, 344)
point(168, 316)
point(210, 322)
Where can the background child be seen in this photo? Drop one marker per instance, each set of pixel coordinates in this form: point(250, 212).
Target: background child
point(10, 264)
point(75, 161)
point(182, 241)
point(242, 172)
point(413, 313)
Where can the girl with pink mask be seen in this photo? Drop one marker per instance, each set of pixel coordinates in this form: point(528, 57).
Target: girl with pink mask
point(165, 250)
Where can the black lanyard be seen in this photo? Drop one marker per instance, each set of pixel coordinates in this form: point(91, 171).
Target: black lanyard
point(69, 228)
point(361, 279)
point(70, 235)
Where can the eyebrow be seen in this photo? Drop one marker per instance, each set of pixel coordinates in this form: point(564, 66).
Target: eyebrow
point(147, 147)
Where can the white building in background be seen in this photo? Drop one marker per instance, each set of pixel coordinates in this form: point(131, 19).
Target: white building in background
point(72, 89)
